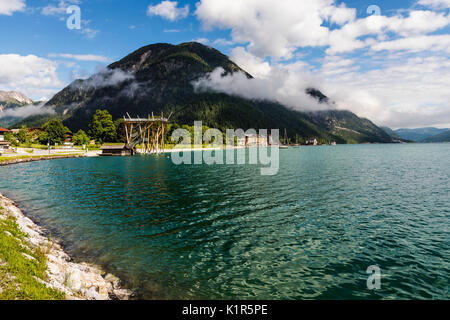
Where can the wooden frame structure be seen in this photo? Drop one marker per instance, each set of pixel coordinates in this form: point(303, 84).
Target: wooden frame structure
point(148, 133)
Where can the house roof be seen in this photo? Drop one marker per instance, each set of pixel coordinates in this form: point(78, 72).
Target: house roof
point(113, 147)
point(4, 130)
point(5, 143)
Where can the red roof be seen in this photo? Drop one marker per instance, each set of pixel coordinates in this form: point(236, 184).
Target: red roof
point(4, 130)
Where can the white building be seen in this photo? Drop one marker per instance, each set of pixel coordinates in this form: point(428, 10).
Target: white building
point(4, 145)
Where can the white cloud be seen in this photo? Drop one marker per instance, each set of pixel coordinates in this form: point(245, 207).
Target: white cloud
point(80, 57)
point(223, 42)
point(172, 30)
point(285, 84)
point(168, 10)
point(31, 75)
point(27, 111)
point(399, 76)
point(272, 27)
point(400, 93)
point(58, 9)
point(257, 67)
point(347, 38)
point(416, 44)
point(201, 40)
point(89, 32)
point(438, 4)
point(8, 7)
point(278, 28)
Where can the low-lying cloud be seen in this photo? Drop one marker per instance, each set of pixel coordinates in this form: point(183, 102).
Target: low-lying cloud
point(282, 86)
point(26, 111)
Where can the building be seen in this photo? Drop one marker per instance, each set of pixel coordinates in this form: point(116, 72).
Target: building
point(254, 140)
point(312, 142)
point(2, 133)
point(117, 150)
point(4, 145)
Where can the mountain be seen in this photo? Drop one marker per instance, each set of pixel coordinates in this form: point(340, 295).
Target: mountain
point(158, 78)
point(11, 100)
point(391, 132)
point(14, 97)
point(441, 137)
point(419, 134)
point(395, 136)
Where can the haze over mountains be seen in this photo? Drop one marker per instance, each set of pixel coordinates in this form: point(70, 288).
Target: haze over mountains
point(424, 134)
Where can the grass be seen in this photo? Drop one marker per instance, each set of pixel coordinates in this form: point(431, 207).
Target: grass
point(20, 275)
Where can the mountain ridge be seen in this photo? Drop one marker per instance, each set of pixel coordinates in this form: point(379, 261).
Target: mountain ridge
point(11, 100)
point(158, 78)
point(419, 134)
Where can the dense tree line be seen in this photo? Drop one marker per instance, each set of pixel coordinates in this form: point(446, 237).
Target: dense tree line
point(102, 129)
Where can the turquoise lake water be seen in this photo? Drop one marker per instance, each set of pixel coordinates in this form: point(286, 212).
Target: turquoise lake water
point(226, 232)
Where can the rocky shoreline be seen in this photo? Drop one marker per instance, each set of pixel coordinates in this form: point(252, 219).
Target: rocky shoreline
point(78, 281)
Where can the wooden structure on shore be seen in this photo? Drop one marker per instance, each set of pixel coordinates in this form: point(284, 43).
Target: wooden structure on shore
point(148, 133)
point(116, 150)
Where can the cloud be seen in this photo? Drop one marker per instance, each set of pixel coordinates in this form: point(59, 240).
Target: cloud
point(400, 93)
point(201, 40)
point(80, 57)
point(389, 68)
point(8, 7)
point(348, 38)
point(416, 44)
point(257, 67)
point(437, 4)
point(223, 42)
point(106, 78)
point(284, 84)
point(280, 32)
point(59, 9)
point(26, 111)
point(31, 75)
point(172, 30)
point(271, 27)
point(168, 10)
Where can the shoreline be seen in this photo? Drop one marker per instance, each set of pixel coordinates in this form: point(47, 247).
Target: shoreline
point(25, 159)
point(77, 281)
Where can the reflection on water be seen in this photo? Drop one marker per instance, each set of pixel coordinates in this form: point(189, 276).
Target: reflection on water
point(226, 232)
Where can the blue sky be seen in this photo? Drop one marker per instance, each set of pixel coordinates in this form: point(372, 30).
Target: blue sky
point(331, 43)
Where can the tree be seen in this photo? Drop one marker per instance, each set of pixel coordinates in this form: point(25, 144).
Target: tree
point(22, 136)
point(10, 137)
point(43, 137)
point(80, 138)
point(56, 131)
point(102, 127)
point(120, 130)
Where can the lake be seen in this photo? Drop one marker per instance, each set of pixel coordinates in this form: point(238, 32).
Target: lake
point(227, 232)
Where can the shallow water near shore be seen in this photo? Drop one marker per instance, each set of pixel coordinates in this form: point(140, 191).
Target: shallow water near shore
point(226, 232)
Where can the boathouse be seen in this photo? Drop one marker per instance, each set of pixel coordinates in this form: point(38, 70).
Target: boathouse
point(117, 150)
